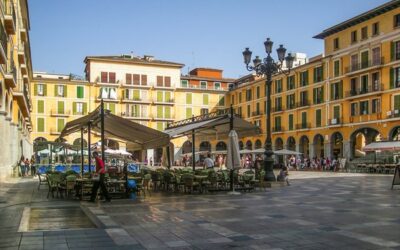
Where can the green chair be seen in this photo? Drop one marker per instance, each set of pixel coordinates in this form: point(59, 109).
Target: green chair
point(189, 183)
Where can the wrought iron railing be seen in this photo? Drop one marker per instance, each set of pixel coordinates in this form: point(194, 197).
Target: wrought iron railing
point(200, 118)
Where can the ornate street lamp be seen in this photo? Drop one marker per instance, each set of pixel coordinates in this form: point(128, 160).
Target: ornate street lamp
point(267, 67)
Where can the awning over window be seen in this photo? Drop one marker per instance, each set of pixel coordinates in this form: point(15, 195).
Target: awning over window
point(136, 135)
point(383, 146)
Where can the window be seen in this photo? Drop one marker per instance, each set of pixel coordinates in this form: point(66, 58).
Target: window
point(135, 79)
point(354, 109)
point(364, 33)
point(337, 90)
point(395, 50)
point(160, 126)
point(240, 97)
point(167, 81)
point(60, 124)
point(318, 95)
point(257, 123)
point(304, 78)
point(203, 111)
point(353, 86)
point(258, 92)
point(364, 107)
point(336, 43)
point(304, 120)
point(110, 107)
point(79, 108)
point(107, 77)
point(205, 99)
point(144, 80)
point(278, 86)
point(59, 90)
point(40, 89)
point(258, 108)
point(80, 92)
point(336, 68)
point(290, 82)
point(303, 98)
point(376, 56)
point(240, 111)
point(40, 106)
point(248, 95)
point(318, 118)
point(290, 101)
point(248, 111)
point(188, 98)
point(354, 62)
point(60, 107)
point(278, 123)
point(364, 84)
point(396, 103)
point(375, 81)
point(375, 106)
point(395, 77)
point(336, 112)
point(217, 85)
point(354, 36)
point(397, 20)
point(203, 84)
point(318, 74)
point(160, 81)
point(221, 101)
point(278, 104)
point(375, 29)
point(128, 79)
point(184, 83)
point(40, 124)
point(290, 121)
point(108, 93)
point(364, 59)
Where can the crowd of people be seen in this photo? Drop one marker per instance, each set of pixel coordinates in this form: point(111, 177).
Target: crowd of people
point(315, 163)
point(27, 167)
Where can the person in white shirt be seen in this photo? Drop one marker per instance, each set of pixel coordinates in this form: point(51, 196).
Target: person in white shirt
point(208, 162)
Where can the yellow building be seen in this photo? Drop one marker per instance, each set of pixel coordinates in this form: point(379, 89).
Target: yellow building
point(15, 76)
point(339, 101)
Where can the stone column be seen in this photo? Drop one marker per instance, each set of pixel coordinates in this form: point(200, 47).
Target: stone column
point(311, 148)
point(346, 149)
point(328, 149)
point(3, 141)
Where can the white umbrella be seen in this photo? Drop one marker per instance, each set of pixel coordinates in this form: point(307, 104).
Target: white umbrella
point(44, 151)
point(219, 152)
point(123, 152)
point(164, 161)
point(287, 152)
point(233, 155)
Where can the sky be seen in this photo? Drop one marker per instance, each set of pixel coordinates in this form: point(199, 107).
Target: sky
point(197, 33)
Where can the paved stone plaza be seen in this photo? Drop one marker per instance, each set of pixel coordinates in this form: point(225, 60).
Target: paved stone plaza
point(335, 212)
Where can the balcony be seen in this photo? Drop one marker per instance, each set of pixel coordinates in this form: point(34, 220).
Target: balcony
point(3, 47)
point(20, 93)
point(24, 69)
point(366, 90)
point(10, 18)
point(393, 113)
point(279, 129)
point(135, 100)
point(165, 102)
point(257, 113)
point(10, 77)
point(357, 67)
point(21, 53)
point(22, 30)
point(303, 103)
point(303, 126)
point(335, 121)
point(196, 87)
point(55, 112)
point(277, 109)
point(170, 118)
point(135, 116)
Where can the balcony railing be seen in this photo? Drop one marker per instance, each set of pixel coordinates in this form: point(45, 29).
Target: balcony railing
point(303, 103)
point(336, 121)
point(3, 42)
point(365, 65)
point(10, 19)
point(303, 125)
point(135, 115)
point(190, 86)
point(257, 113)
point(365, 90)
point(393, 113)
point(277, 109)
point(11, 74)
point(278, 129)
point(171, 100)
point(56, 112)
point(135, 99)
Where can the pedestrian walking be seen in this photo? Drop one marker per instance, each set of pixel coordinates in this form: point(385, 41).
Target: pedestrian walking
point(27, 168)
point(100, 170)
point(21, 165)
point(33, 166)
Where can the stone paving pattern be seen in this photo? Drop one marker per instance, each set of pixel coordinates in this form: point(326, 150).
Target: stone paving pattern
point(355, 212)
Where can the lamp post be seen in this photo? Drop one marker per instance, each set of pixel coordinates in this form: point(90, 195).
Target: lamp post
point(267, 67)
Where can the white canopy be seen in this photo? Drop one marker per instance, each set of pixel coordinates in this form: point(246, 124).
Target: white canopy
point(233, 156)
point(286, 152)
point(383, 146)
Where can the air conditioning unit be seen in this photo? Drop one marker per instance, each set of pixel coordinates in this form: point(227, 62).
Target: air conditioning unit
point(334, 121)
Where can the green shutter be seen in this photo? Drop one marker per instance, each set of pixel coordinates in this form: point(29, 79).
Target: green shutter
point(315, 74)
point(159, 112)
point(79, 93)
point(290, 122)
point(112, 108)
point(167, 113)
point(55, 90)
point(136, 94)
point(392, 78)
point(168, 96)
point(392, 51)
point(40, 105)
point(60, 124)
point(341, 89)
point(84, 108)
point(44, 90)
point(322, 72)
point(74, 108)
point(221, 101)
point(336, 112)
point(159, 126)
point(396, 102)
point(306, 76)
point(188, 112)
point(159, 96)
point(65, 91)
point(40, 124)
point(188, 98)
point(60, 107)
point(35, 89)
point(318, 117)
point(205, 99)
point(315, 96)
point(304, 119)
point(332, 87)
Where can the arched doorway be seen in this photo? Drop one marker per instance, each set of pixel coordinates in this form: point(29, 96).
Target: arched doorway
point(394, 134)
point(187, 147)
point(337, 145)
point(60, 140)
point(220, 146)
point(291, 143)
point(318, 144)
point(39, 144)
point(279, 146)
point(205, 146)
point(241, 145)
point(77, 143)
point(257, 144)
point(249, 145)
point(360, 138)
point(304, 145)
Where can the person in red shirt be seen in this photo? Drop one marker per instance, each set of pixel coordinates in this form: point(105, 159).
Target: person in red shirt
point(101, 170)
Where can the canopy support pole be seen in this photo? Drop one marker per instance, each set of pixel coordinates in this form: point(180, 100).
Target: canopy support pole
point(168, 157)
point(230, 129)
point(193, 148)
point(82, 160)
point(89, 153)
point(102, 130)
